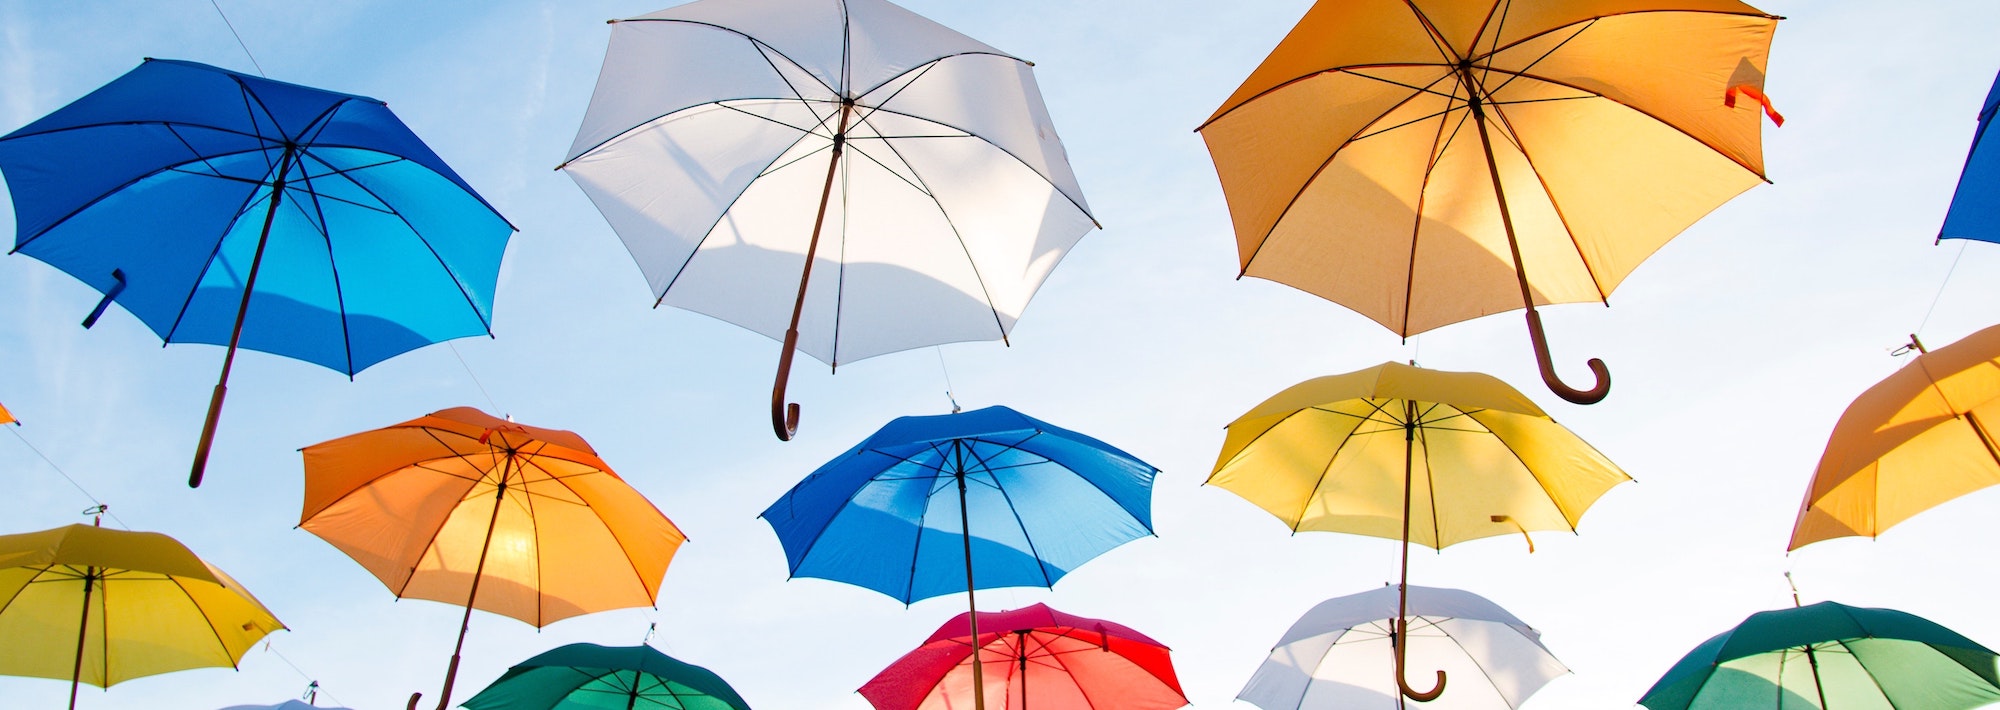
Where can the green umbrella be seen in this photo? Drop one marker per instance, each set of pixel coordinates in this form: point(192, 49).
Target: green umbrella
point(1832, 657)
point(584, 675)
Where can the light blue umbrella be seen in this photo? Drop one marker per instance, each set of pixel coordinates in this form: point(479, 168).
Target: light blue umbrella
point(892, 514)
point(234, 210)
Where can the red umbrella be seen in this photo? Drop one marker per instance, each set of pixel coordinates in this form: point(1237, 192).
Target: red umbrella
point(1063, 662)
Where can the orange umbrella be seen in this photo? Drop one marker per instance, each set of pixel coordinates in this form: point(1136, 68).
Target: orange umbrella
point(1424, 162)
point(466, 508)
point(1919, 438)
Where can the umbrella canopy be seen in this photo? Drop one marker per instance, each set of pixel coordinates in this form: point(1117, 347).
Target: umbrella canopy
point(287, 705)
point(1340, 454)
point(1831, 656)
point(714, 143)
point(234, 210)
point(98, 606)
point(1007, 498)
point(584, 675)
point(1975, 206)
point(1912, 441)
point(1060, 661)
point(1337, 655)
point(466, 508)
point(1432, 161)
point(1329, 454)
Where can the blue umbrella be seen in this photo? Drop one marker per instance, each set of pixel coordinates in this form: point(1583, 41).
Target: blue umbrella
point(234, 210)
point(1975, 208)
point(892, 513)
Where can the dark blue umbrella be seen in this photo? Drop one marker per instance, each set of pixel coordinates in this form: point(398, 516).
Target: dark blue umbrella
point(891, 513)
point(1975, 208)
point(234, 210)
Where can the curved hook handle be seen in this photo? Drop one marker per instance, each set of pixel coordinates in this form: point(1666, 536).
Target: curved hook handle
point(784, 415)
point(1402, 627)
point(414, 697)
point(1576, 396)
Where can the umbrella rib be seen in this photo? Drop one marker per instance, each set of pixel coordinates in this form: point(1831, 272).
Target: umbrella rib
point(198, 612)
point(1324, 471)
point(209, 263)
point(1640, 111)
point(1488, 65)
point(739, 33)
point(1436, 36)
point(1491, 12)
point(1417, 225)
point(719, 216)
point(1538, 35)
point(1307, 184)
point(803, 101)
point(1877, 682)
point(974, 53)
point(996, 146)
point(1344, 68)
point(119, 188)
point(332, 265)
point(1040, 565)
point(1430, 488)
point(1537, 476)
point(419, 235)
point(984, 292)
point(1514, 139)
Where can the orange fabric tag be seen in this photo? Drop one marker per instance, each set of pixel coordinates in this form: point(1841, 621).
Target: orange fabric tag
point(1729, 99)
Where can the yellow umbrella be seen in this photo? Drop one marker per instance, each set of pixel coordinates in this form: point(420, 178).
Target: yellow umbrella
point(105, 606)
point(466, 508)
point(1424, 162)
point(1919, 438)
point(1410, 454)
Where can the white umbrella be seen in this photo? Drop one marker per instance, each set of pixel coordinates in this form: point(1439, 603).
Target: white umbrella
point(714, 146)
point(1339, 655)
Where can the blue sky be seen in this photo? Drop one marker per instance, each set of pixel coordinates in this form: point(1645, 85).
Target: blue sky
point(1734, 350)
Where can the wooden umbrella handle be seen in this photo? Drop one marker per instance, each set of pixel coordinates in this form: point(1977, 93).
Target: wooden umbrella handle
point(1593, 395)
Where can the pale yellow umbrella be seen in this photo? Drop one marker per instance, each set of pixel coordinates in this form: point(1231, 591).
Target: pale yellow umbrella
point(1919, 438)
point(1424, 162)
point(92, 605)
point(1404, 453)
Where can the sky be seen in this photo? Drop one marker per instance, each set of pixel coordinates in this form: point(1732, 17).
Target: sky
point(1734, 350)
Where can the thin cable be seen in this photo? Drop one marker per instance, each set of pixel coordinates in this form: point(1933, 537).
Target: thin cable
point(302, 673)
point(475, 378)
point(947, 378)
point(239, 39)
point(1941, 286)
point(58, 469)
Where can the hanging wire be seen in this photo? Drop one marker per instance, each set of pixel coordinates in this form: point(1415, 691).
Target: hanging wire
point(947, 378)
point(475, 377)
point(106, 510)
point(239, 38)
point(1941, 287)
point(312, 683)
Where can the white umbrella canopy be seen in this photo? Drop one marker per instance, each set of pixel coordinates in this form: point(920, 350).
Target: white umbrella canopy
point(1339, 654)
point(714, 147)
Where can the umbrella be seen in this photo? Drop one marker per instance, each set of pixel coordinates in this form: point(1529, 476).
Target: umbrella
point(287, 705)
point(1064, 662)
point(1912, 441)
point(1009, 499)
point(100, 606)
point(234, 210)
point(1830, 655)
point(1431, 161)
point(1476, 459)
point(584, 675)
point(466, 508)
point(1975, 206)
point(1336, 656)
point(714, 146)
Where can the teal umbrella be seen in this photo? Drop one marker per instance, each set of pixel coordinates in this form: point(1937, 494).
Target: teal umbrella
point(1831, 657)
point(585, 675)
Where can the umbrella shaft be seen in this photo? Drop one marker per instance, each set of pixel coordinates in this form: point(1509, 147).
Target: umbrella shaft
point(236, 332)
point(785, 415)
point(499, 499)
point(82, 635)
point(971, 602)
